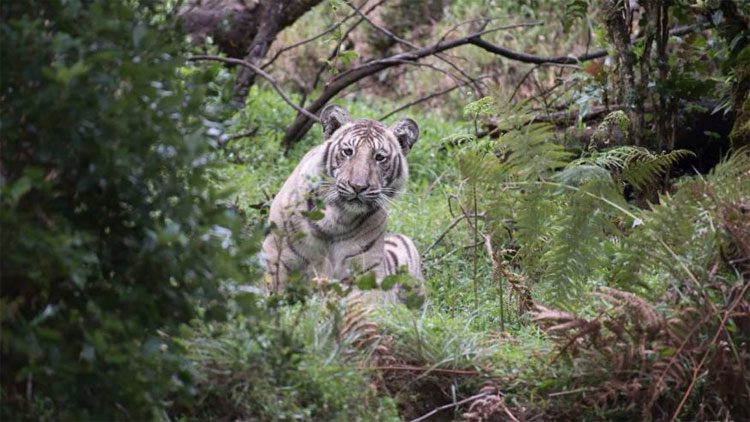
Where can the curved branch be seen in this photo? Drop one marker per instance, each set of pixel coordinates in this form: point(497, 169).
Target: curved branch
point(530, 58)
point(260, 73)
point(335, 51)
point(302, 123)
point(313, 38)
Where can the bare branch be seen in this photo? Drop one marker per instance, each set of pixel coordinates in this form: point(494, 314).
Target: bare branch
point(424, 98)
point(335, 51)
point(302, 124)
point(380, 28)
point(260, 73)
point(530, 58)
point(453, 224)
point(450, 406)
point(314, 37)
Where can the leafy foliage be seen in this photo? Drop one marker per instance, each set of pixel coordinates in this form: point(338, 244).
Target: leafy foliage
point(299, 366)
point(124, 260)
point(570, 229)
point(112, 234)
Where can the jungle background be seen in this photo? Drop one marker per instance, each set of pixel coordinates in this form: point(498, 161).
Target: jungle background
point(580, 194)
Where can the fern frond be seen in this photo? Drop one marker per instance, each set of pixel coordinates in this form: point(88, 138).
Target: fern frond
point(531, 153)
point(574, 256)
point(645, 171)
point(634, 165)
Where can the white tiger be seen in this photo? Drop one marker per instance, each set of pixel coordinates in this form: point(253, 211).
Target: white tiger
point(351, 178)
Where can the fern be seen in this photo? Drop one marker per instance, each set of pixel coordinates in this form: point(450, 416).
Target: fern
point(636, 166)
point(574, 254)
point(680, 239)
point(645, 171)
point(574, 10)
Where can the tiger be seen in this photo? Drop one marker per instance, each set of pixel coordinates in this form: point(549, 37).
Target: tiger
point(329, 218)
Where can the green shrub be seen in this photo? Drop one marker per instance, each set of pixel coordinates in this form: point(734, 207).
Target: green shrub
point(111, 232)
point(298, 365)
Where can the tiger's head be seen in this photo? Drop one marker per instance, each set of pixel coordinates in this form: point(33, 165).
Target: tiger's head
point(365, 159)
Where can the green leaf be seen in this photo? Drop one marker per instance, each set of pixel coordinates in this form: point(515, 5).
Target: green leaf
point(347, 57)
point(246, 301)
point(667, 352)
point(20, 188)
point(414, 301)
point(314, 215)
point(366, 281)
point(390, 281)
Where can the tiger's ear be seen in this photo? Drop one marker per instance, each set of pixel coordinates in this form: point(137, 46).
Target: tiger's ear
point(332, 117)
point(407, 133)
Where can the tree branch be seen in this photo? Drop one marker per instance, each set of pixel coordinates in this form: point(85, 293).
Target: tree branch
point(427, 98)
point(263, 75)
point(450, 406)
point(302, 123)
point(414, 46)
point(313, 38)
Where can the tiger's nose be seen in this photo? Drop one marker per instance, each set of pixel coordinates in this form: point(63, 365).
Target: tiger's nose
point(359, 187)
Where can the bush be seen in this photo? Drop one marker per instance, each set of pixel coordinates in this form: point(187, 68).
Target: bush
point(299, 365)
point(111, 233)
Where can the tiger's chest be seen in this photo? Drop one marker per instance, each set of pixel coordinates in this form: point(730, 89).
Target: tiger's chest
point(341, 246)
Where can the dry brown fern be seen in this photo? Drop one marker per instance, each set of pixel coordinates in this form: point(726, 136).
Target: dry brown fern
point(636, 358)
point(490, 406)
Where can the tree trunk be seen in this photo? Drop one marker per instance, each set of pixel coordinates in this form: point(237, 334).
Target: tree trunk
point(618, 28)
point(734, 29)
point(243, 29)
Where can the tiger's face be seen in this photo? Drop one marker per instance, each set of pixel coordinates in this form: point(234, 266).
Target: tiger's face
point(365, 159)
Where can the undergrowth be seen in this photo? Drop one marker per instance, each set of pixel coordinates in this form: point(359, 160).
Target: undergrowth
point(562, 284)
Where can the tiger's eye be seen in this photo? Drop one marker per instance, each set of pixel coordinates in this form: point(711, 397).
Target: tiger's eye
point(347, 152)
point(379, 157)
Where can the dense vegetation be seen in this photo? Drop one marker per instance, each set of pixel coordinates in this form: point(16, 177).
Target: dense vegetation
point(584, 223)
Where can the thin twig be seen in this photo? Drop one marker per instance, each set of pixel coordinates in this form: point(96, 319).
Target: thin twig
point(450, 406)
point(335, 51)
point(453, 224)
point(428, 97)
point(440, 258)
point(245, 134)
point(380, 28)
point(262, 74)
point(411, 368)
point(313, 38)
point(485, 21)
point(496, 274)
point(565, 393)
point(408, 43)
point(696, 370)
point(530, 58)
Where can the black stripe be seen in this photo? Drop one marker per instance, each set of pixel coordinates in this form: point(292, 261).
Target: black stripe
point(398, 167)
point(387, 266)
point(310, 203)
point(357, 225)
point(392, 243)
point(287, 267)
point(370, 268)
point(395, 261)
point(325, 156)
point(366, 247)
point(297, 253)
point(317, 231)
point(379, 226)
point(406, 245)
